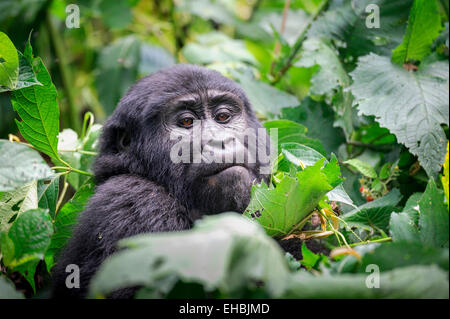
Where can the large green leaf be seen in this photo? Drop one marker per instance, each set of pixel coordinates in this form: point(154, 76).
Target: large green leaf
point(424, 25)
point(30, 235)
point(412, 105)
point(225, 252)
point(117, 70)
point(331, 73)
point(407, 282)
point(299, 155)
point(403, 228)
point(19, 164)
point(433, 217)
point(318, 117)
point(390, 256)
point(9, 64)
point(265, 99)
point(48, 191)
point(363, 167)
point(39, 112)
point(375, 214)
point(345, 22)
point(281, 208)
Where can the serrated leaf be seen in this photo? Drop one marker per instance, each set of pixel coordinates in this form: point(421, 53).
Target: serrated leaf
point(424, 24)
point(19, 164)
point(279, 209)
point(38, 109)
point(433, 217)
point(298, 155)
point(374, 214)
point(364, 168)
point(331, 73)
point(412, 105)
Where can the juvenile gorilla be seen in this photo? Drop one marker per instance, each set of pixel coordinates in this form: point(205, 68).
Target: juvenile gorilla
point(140, 188)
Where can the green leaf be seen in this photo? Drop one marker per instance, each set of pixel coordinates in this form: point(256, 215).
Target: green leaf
point(9, 64)
point(8, 291)
point(298, 154)
point(39, 111)
point(412, 105)
point(331, 73)
point(216, 47)
point(364, 168)
point(48, 191)
point(446, 176)
point(424, 25)
point(318, 117)
point(265, 99)
point(117, 70)
point(116, 14)
point(16, 202)
point(433, 217)
point(240, 255)
point(389, 256)
point(403, 228)
point(31, 233)
point(309, 259)
point(407, 282)
point(19, 165)
point(292, 132)
point(375, 214)
point(281, 208)
point(154, 58)
point(66, 219)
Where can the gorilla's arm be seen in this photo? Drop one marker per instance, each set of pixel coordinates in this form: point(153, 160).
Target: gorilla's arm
point(123, 206)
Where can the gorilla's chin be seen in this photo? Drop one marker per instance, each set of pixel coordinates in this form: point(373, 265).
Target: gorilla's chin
point(225, 190)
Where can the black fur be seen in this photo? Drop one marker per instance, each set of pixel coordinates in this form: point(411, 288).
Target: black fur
point(139, 189)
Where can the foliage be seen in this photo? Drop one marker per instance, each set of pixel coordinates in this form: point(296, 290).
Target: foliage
point(362, 120)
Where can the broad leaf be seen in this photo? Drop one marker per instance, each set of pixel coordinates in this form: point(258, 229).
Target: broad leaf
point(47, 191)
point(19, 164)
point(412, 105)
point(424, 25)
point(225, 252)
point(281, 208)
point(374, 214)
point(38, 109)
point(403, 228)
point(433, 217)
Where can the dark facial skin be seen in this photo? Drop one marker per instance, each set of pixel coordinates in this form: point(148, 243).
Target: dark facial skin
point(140, 189)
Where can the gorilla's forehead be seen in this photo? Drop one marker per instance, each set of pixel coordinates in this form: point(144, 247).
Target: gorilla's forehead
point(206, 98)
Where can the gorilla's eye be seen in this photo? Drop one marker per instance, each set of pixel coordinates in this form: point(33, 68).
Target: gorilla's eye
point(222, 117)
point(186, 122)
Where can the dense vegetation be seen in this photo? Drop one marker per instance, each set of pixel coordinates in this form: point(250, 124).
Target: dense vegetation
point(362, 118)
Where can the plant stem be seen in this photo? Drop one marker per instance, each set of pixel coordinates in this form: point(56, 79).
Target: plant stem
point(71, 169)
point(381, 240)
point(72, 117)
point(298, 45)
point(287, 4)
point(61, 196)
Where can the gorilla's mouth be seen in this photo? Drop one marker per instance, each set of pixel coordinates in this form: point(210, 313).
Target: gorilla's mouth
point(231, 168)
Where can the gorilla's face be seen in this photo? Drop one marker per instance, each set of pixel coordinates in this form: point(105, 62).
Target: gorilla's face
point(210, 137)
point(193, 131)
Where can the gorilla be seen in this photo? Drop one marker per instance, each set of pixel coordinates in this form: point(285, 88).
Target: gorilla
point(141, 187)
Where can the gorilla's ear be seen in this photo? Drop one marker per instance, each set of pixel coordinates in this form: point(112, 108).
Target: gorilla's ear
point(122, 139)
